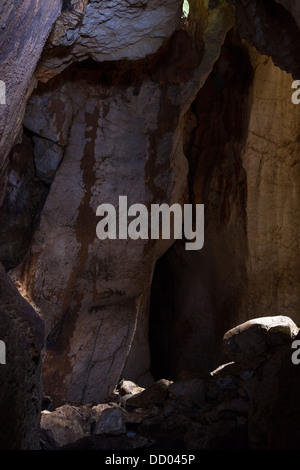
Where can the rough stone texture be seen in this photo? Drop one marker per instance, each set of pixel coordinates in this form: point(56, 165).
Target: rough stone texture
point(272, 29)
point(48, 156)
point(270, 159)
point(131, 30)
point(243, 164)
point(122, 135)
point(21, 206)
point(22, 330)
point(255, 337)
point(111, 422)
point(29, 24)
point(64, 425)
point(119, 115)
point(196, 296)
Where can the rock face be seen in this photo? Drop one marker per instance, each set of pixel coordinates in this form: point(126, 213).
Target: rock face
point(240, 406)
point(92, 294)
point(28, 25)
point(132, 100)
point(22, 331)
point(243, 144)
point(259, 23)
point(128, 30)
point(255, 337)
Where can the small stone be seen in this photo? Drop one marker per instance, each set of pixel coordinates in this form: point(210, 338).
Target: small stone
point(153, 395)
point(126, 387)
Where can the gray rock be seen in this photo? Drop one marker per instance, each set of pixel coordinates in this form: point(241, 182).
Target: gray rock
point(111, 422)
point(47, 157)
point(29, 28)
point(254, 337)
point(128, 30)
point(63, 426)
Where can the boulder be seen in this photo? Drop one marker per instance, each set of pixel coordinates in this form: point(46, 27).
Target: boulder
point(255, 337)
point(62, 426)
point(151, 396)
point(192, 390)
point(111, 422)
point(126, 387)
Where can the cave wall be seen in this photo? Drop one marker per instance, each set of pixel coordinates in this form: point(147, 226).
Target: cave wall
point(115, 130)
point(178, 112)
point(243, 147)
point(24, 28)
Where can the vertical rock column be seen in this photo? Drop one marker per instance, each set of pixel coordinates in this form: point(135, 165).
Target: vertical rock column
point(22, 331)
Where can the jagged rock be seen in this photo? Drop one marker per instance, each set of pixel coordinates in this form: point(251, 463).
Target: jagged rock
point(255, 337)
point(111, 422)
point(192, 389)
point(29, 28)
point(259, 23)
point(62, 426)
point(92, 294)
point(22, 331)
point(138, 415)
point(153, 395)
point(126, 387)
point(134, 91)
point(128, 30)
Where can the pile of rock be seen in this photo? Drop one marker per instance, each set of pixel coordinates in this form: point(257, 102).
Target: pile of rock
point(233, 408)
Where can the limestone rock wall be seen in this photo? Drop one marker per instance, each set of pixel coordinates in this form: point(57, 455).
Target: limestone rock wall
point(243, 157)
point(132, 100)
point(22, 331)
point(24, 27)
point(120, 131)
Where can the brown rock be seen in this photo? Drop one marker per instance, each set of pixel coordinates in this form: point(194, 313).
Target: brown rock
point(63, 426)
point(94, 294)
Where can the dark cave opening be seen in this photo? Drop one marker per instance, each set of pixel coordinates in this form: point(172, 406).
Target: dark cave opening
point(161, 316)
point(182, 316)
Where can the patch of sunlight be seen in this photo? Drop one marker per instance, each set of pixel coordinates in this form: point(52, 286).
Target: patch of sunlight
point(185, 8)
